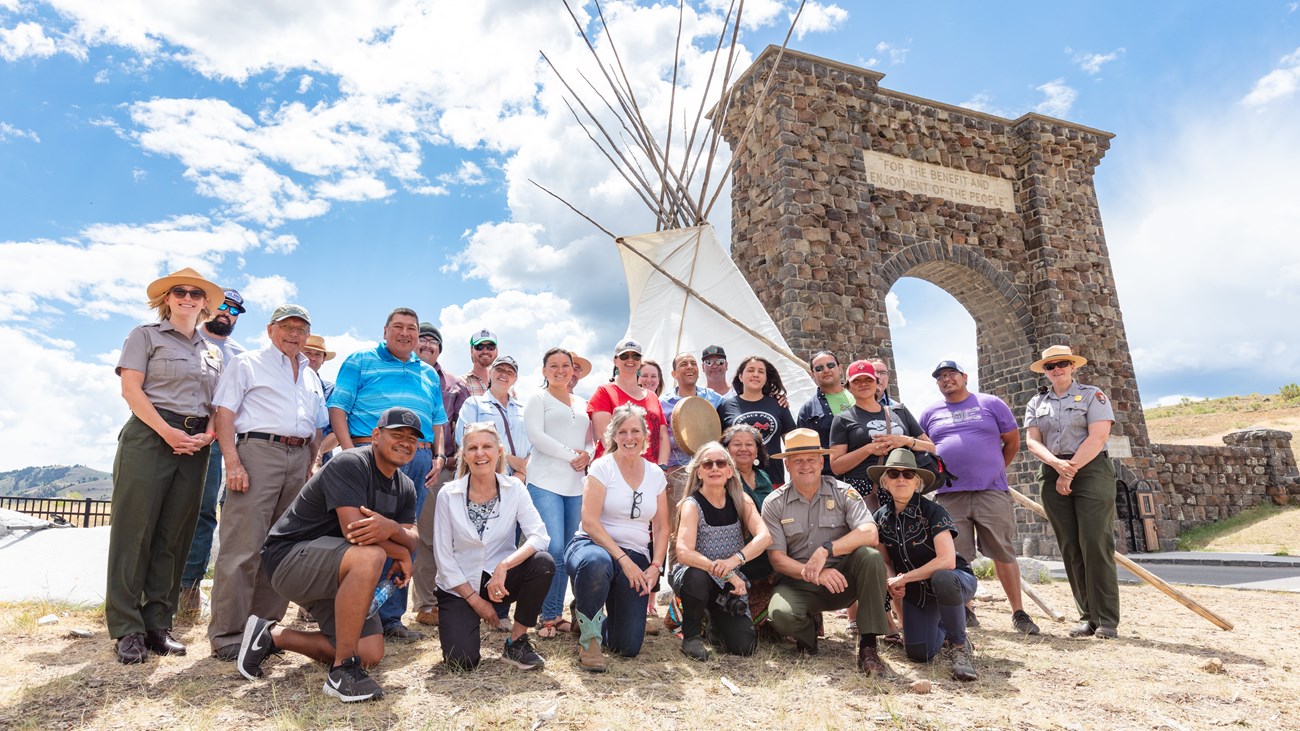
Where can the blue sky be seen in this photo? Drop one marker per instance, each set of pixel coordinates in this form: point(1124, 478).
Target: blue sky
point(357, 156)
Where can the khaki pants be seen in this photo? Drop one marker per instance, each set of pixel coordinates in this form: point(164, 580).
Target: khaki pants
point(794, 602)
point(425, 569)
point(276, 473)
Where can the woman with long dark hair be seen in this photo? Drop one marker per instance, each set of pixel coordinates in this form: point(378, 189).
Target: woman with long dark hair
point(757, 400)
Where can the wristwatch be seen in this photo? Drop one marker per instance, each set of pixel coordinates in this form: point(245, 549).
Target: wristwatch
point(830, 549)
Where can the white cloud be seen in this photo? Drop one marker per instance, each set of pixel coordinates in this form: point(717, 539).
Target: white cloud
point(1092, 62)
point(757, 13)
point(1172, 401)
point(304, 83)
point(47, 376)
point(983, 102)
point(101, 76)
point(264, 294)
point(1280, 83)
point(10, 132)
point(1059, 99)
point(467, 174)
point(819, 18)
point(896, 54)
point(26, 39)
point(893, 311)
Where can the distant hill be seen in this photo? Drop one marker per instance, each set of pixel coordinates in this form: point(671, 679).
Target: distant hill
point(57, 481)
point(1206, 422)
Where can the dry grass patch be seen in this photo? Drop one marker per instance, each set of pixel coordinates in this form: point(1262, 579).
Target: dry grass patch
point(1152, 677)
point(1206, 422)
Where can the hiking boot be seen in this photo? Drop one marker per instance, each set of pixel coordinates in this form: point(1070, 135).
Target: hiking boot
point(429, 617)
point(971, 619)
point(350, 682)
point(521, 654)
point(161, 642)
point(401, 633)
point(693, 647)
point(255, 647)
point(869, 661)
point(591, 658)
point(130, 649)
point(963, 664)
point(1023, 624)
point(1083, 629)
point(1106, 633)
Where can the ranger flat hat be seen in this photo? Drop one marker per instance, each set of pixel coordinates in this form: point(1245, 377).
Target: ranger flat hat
point(801, 441)
point(317, 343)
point(1057, 352)
point(158, 287)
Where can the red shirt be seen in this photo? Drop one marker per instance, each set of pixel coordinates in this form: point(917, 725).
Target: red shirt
point(609, 397)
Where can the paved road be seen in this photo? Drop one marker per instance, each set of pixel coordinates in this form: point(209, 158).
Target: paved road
point(1232, 570)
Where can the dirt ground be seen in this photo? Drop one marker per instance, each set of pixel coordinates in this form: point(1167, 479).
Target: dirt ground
point(1160, 674)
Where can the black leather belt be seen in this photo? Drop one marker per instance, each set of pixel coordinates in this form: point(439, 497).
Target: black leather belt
point(189, 424)
point(1102, 454)
point(290, 441)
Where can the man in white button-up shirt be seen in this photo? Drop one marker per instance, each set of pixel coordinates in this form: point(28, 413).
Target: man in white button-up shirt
point(270, 408)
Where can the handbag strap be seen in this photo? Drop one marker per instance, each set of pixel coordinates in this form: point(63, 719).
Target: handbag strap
point(505, 420)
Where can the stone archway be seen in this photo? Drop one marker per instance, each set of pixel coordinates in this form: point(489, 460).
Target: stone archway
point(842, 187)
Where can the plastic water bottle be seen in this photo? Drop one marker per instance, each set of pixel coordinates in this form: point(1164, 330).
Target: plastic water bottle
point(382, 592)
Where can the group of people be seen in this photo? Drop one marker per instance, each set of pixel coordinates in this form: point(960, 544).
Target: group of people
point(477, 498)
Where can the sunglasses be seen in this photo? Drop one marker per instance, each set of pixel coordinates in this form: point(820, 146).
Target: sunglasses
point(485, 346)
point(894, 474)
point(715, 362)
point(181, 293)
point(235, 310)
point(1057, 364)
point(629, 356)
point(713, 464)
point(637, 496)
point(825, 367)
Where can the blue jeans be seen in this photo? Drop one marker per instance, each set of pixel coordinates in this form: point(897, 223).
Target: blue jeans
point(417, 469)
point(599, 582)
point(196, 566)
point(942, 617)
point(562, 516)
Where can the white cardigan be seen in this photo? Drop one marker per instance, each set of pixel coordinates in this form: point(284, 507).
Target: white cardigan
point(558, 433)
point(464, 557)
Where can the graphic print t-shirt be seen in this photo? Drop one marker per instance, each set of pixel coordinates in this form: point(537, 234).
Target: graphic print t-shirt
point(770, 418)
point(858, 427)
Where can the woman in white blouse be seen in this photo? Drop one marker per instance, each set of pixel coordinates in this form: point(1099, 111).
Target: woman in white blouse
point(613, 565)
point(560, 432)
point(479, 566)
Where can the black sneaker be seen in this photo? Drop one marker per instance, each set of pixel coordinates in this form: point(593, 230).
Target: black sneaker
point(971, 619)
point(521, 654)
point(1023, 624)
point(350, 682)
point(693, 647)
point(255, 647)
point(401, 633)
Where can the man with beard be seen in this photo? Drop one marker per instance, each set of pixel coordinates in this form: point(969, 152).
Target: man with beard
point(482, 351)
point(217, 331)
point(454, 395)
point(714, 359)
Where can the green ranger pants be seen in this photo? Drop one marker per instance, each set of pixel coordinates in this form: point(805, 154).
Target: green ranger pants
point(1084, 524)
point(156, 496)
point(794, 602)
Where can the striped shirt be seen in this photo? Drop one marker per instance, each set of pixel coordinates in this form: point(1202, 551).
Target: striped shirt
point(372, 381)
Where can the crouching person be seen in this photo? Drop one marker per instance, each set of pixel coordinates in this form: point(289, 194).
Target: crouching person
point(715, 519)
point(479, 567)
point(931, 579)
point(823, 551)
point(327, 553)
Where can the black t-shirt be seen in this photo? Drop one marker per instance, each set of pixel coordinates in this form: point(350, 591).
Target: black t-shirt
point(348, 480)
point(908, 538)
point(857, 427)
point(770, 418)
point(725, 515)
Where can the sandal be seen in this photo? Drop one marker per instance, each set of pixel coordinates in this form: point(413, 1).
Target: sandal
point(551, 628)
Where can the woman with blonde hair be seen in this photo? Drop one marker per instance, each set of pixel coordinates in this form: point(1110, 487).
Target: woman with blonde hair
point(714, 520)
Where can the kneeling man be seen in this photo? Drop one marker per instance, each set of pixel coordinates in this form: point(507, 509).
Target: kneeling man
point(327, 554)
point(823, 551)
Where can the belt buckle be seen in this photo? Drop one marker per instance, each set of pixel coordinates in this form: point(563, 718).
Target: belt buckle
point(195, 425)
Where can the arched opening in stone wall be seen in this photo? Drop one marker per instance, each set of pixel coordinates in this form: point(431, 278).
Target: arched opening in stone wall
point(927, 325)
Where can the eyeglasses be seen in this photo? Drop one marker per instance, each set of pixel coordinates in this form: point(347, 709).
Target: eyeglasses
point(485, 346)
point(825, 367)
point(713, 464)
point(294, 329)
point(637, 496)
point(235, 310)
point(894, 474)
point(715, 361)
point(181, 293)
point(1046, 366)
point(629, 356)
point(428, 340)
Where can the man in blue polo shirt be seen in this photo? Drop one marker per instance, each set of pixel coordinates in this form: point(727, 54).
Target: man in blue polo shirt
point(369, 383)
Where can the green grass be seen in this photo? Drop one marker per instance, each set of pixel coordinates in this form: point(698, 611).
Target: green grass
point(1197, 538)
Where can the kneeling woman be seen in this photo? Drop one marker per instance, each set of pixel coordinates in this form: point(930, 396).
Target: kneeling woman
point(479, 567)
point(716, 517)
point(611, 561)
point(929, 577)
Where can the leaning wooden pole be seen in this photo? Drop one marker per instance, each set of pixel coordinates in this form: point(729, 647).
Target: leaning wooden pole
point(1142, 573)
point(1052, 612)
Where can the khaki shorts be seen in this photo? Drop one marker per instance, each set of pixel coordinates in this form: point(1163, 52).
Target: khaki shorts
point(309, 576)
point(986, 514)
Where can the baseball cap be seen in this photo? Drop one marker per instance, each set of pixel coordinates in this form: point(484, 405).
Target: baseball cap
point(400, 418)
point(713, 350)
point(947, 365)
point(284, 312)
point(427, 328)
point(859, 368)
point(627, 346)
point(483, 336)
point(234, 296)
point(504, 360)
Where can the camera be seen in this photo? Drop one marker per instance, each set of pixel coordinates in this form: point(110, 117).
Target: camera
point(736, 606)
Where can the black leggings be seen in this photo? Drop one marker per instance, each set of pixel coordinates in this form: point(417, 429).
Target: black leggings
point(458, 623)
point(699, 593)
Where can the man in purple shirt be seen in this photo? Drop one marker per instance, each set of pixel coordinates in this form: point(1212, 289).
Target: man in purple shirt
point(977, 437)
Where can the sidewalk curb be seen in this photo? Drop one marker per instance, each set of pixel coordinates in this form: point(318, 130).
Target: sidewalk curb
point(1217, 559)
